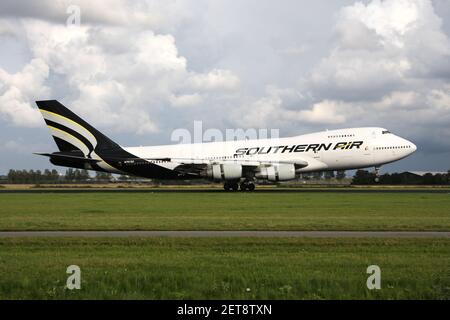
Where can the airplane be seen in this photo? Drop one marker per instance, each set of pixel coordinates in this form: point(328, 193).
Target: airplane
point(238, 164)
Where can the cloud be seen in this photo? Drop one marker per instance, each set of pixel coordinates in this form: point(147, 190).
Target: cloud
point(440, 98)
point(214, 80)
point(324, 112)
point(111, 12)
point(17, 92)
point(396, 100)
point(124, 74)
point(381, 47)
point(186, 100)
point(377, 72)
point(262, 113)
point(145, 67)
point(390, 67)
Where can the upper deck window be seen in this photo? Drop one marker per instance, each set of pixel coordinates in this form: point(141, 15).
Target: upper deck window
point(386, 132)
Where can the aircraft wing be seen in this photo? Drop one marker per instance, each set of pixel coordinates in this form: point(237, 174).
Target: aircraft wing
point(197, 166)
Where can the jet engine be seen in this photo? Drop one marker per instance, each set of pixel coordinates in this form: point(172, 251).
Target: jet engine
point(224, 171)
point(278, 172)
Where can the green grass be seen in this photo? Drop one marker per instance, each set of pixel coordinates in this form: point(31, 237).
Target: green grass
point(223, 268)
point(225, 211)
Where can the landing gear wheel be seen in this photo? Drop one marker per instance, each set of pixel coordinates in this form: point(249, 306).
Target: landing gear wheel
point(230, 186)
point(377, 174)
point(247, 186)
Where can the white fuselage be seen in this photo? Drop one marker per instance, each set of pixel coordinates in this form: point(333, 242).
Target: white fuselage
point(233, 162)
point(327, 150)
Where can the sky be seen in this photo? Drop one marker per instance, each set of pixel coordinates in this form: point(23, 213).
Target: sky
point(138, 70)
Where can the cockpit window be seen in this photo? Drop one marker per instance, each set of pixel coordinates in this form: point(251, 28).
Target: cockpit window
point(386, 131)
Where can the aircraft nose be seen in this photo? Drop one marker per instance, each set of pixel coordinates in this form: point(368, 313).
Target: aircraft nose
point(413, 147)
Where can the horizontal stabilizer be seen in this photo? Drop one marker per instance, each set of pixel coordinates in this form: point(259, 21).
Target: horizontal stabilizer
point(68, 157)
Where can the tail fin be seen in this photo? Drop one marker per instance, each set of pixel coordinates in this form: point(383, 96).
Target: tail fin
point(70, 132)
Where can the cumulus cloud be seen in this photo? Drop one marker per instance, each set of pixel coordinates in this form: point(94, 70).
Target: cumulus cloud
point(396, 100)
point(126, 75)
point(324, 112)
point(147, 66)
point(111, 12)
point(17, 91)
point(380, 47)
point(214, 80)
point(186, 100)
point(389, 66)
point(440, 98)
point(262, 112)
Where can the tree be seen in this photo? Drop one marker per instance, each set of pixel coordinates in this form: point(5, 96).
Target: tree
point(47, 175)
point(12, 176)
point(340, 175)
point(317, 175)
point(55, 175)
point(329, 175)
point(428, 178)
point(70, 175)
point(84, 175)
point(123, 177)
point(103, 176)
point(363, 177)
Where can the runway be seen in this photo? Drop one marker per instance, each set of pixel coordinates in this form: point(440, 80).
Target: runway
point(208, 191)
point(226, 234)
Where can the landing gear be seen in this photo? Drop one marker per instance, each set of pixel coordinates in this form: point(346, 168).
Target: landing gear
point(377, 174)
point(247, 185)
point(230, 186)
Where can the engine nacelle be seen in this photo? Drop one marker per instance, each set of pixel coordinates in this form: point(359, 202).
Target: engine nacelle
point(277, 172)
point(224, 171)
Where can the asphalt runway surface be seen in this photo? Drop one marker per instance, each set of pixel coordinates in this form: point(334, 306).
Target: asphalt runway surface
point(206, 190)
point(225, 234)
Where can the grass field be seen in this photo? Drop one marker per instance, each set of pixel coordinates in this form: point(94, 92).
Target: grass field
point(224, 268)
point(225, 211)
point(178, 268)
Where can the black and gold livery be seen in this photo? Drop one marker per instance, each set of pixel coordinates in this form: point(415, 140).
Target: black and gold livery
point(82, 146)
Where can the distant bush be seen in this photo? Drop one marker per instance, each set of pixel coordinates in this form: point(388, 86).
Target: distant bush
point(364, 177)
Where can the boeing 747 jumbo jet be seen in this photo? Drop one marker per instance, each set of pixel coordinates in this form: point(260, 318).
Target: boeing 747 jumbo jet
point(238, 164)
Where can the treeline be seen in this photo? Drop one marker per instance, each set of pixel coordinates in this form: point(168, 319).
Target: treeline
point(361, 177)
point(53, 176)
point(327, 175)
point(364, 177)
point(32, 176)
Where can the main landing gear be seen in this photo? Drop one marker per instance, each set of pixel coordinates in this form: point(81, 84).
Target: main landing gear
point(231, 186)
point(245, 185)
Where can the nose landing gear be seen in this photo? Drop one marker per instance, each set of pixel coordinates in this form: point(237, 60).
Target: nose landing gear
point(377, 174)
